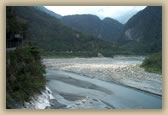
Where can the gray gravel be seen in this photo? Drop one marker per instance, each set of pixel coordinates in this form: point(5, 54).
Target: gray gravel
point(123, 70)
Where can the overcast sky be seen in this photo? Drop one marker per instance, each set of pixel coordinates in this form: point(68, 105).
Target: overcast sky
point(121, 13)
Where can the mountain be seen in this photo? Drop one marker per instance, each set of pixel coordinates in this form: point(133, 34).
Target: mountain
point(126, 16)
point(52, 35)
point(42, 8)
point(86, 23)
point(107, 29)
point(111, 29)
point(143, 32)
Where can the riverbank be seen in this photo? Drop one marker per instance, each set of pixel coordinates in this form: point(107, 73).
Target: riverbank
point(40, 101)
point(122, 70)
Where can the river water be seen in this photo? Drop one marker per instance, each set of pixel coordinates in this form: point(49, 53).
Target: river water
point(101, 83)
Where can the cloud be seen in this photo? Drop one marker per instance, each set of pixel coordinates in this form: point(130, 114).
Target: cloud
point(115, 12)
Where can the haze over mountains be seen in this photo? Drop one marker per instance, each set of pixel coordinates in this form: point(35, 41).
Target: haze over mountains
point(120, 13)
point(142, 34)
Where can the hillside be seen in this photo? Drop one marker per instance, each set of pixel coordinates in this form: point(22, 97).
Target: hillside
point(24, 70)
point(52, 35)
point(111, 29)
point(141, 35)
point(143, 32)
point(106, 29)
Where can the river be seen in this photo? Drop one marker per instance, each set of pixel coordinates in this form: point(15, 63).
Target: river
point(102, 83)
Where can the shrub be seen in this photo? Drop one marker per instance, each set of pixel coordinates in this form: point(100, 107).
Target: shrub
point(153, 63)
point(24, 74)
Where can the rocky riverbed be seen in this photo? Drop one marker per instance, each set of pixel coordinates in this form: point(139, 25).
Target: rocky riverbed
point(98, 83)
point(76, 91)
point(122, 70)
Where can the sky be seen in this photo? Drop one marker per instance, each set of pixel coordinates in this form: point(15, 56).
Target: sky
point(120, 13)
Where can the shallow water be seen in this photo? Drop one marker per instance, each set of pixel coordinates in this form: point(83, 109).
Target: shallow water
point(123, 70)
point(108, 95)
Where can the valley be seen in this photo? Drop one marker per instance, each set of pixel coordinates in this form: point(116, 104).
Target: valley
point(83, 62)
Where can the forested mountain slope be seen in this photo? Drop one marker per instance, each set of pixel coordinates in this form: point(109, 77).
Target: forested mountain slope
point(143, 32)
point(106, 29)
point(53, 36)
point(42, 8)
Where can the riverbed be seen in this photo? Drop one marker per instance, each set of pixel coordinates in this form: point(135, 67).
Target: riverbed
point(122, 70)
point(103, 83)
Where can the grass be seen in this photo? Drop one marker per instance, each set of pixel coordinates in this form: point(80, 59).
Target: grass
point(153, 63)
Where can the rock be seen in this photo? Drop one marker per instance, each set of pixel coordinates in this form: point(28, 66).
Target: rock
point(11, 103)
point(48, 107)
point(100, 55)
point(55, 104)
point(95, 100)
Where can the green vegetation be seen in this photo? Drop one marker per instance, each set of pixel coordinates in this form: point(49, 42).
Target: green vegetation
point(24, 71)
point(24, 74)
point(14, 25)
point(69, 55)
point(51, 35)
point(153, 63)
point(144, 37)
point(85, 54)
point(145, 32)
point(107, 29)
